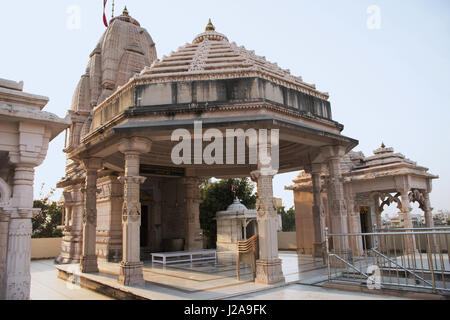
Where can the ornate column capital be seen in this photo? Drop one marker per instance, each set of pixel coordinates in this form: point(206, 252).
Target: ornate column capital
point(132, 179)
point(263, 172)
point(91, 164)
point(135, 145)
point(333, 152)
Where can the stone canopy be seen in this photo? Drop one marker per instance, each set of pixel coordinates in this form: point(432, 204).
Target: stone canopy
point(370, 184)
point(224, 86)
point(124, 193)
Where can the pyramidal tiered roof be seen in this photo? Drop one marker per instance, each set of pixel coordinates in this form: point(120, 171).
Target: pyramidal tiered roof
point(385, 161)
point(384, 156)
point(212, 56)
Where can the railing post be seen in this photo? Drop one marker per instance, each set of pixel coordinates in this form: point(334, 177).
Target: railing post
point(327, 248)
point(430, 262)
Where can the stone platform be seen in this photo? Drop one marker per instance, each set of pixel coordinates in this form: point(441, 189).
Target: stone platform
point(196, 281)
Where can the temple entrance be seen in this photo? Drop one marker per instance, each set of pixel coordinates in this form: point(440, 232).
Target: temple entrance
point(364, 213)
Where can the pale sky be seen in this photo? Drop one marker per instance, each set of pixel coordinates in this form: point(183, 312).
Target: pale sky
point(389, 84)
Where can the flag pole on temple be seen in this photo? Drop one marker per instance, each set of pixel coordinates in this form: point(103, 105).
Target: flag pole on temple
point(105, 20)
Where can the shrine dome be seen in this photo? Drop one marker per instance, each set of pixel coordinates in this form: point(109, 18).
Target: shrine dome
point(237, 206)
point(212, 56)
point(123, 51)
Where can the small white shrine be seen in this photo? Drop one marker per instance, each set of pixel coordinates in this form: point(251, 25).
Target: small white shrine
point(237, 223)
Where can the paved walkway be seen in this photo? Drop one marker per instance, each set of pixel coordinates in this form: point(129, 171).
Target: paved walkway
point(46, 286)
point(308, 292)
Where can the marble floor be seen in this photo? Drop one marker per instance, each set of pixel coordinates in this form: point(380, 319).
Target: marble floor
point(46, 286)
point(196, 281)
point(309, 292)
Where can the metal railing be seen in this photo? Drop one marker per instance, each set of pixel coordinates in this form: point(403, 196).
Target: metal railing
point(408, 259)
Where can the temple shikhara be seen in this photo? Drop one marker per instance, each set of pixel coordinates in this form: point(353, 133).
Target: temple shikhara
point(127, 201)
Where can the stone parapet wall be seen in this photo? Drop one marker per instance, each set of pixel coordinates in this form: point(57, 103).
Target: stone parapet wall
point(45, 248)
point(287, 240)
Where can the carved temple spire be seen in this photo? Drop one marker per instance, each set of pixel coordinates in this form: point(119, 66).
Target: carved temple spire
point(210, 26)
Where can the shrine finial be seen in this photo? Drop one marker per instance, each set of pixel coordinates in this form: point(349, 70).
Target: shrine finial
point(210, 26)
point(233, 190)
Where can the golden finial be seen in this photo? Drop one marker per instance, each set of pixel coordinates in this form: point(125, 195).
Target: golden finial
point(210, 26)
point(383, 146)
point(125, 12)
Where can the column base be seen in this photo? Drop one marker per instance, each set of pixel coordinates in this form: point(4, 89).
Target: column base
point(17, 287)
point(88, 264)
point(131, 274)
point(269, 272)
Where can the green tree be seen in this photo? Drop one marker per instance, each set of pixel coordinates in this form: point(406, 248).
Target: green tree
point(217, 196)
point(45, 224)
point(288, 219)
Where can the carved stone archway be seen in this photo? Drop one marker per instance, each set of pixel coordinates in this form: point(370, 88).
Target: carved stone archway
point(418, 196)
point(387, 199)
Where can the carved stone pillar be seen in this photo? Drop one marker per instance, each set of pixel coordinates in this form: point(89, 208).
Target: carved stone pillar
point(318, 211)
point(193, 238)
point(428, 210)
point(131, 265)
point(71, 246)
point(4, 226)
point(378, 210)
point(354, 222)
point(336, 200)
point(18, 278)
point(410, 243)
point(88, 261)
point(268, 267)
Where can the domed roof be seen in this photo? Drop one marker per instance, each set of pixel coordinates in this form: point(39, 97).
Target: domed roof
point(212, 56)
point(236, 211)
point(123, 51)
point(237, 206)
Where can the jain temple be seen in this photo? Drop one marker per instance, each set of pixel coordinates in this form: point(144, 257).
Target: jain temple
point(124, 196)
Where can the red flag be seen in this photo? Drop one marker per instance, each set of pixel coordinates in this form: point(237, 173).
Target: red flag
point(105, 21)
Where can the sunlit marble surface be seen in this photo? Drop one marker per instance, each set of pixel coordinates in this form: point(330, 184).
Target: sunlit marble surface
point(46, 286)
point(307, 292)
point(200, 281)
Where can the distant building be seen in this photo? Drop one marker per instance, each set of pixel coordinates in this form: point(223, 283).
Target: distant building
point(441, 218)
